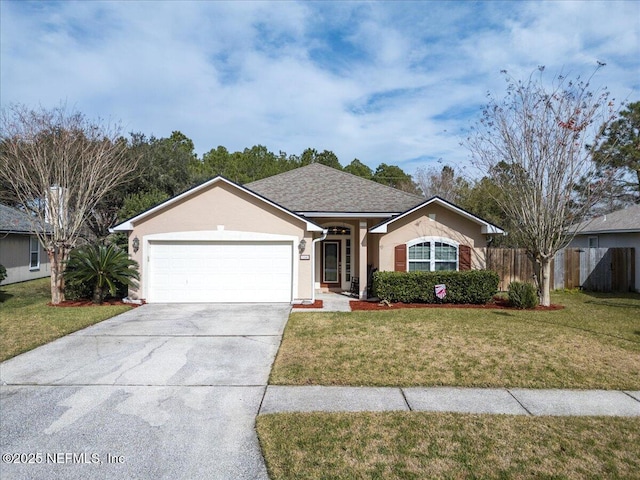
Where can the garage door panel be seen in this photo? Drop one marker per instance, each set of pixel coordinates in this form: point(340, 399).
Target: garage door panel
point(220, 272)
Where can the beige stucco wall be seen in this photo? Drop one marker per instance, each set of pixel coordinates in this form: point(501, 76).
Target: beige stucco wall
point(15, 256)
point(447, 224)
point(224, 208)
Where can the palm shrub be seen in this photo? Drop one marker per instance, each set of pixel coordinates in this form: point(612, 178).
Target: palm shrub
point(522, 295)
point(101, 267)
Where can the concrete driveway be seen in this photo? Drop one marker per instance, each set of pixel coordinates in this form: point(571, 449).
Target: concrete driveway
point(162, 391)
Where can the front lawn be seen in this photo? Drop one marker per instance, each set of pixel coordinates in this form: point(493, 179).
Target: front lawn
point(593, 343)
point(26, 321)
point(412, 445)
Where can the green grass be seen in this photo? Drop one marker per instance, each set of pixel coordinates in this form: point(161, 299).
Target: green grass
point(411, 445)
point(26, 321)
point(593, 343)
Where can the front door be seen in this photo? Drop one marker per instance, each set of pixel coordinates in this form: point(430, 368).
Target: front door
point(331, 263)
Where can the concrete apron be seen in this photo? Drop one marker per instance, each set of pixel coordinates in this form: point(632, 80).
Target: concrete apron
point(162, 391)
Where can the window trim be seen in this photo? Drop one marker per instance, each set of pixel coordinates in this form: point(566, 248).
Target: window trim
point(347, 259)
point(33, 267)
point(432, 257)
point(597, 241)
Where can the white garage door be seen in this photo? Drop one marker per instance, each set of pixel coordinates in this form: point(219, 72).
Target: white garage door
point(219, 272)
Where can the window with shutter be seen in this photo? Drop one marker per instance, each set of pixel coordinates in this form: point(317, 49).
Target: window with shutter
point(429, 254)
point(464, 253)
point(400, 258)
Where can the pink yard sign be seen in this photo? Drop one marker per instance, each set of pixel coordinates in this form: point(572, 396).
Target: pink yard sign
point(441, 291)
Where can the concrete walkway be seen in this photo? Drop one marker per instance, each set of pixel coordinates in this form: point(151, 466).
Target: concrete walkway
point(331, 302)
point(513, 401)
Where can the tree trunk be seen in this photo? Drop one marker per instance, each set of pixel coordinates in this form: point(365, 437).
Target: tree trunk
point(542, 276)
point(97, 295)
point(544, 281)
point(57, 258)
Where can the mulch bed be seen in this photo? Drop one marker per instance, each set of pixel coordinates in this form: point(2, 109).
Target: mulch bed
point(497, 304)
point(89, 303)
point(316, 304)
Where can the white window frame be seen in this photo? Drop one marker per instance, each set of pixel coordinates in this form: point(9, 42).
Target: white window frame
point(33, 250)
point(590, 241)
point(348, 257)
point(432, 257)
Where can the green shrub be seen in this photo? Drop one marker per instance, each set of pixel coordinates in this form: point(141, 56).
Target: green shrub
point(83, 290)
point(472, 286)
point(3, 273)
point(76, 290)
point(103, 268)
point(522, 295)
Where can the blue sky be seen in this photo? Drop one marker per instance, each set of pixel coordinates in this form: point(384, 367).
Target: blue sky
point(394, 82)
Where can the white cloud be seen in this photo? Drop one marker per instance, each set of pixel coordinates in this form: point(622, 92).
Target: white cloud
point(382, 81)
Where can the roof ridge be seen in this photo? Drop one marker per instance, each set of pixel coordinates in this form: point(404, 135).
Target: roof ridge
point(374, 182)
point(347, 174)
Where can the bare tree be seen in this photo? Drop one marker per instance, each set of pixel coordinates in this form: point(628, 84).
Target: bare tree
point(535, 145)
point(57, 165)
point(441, 182)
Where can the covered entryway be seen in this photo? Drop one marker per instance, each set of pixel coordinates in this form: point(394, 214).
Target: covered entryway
point(220, 271)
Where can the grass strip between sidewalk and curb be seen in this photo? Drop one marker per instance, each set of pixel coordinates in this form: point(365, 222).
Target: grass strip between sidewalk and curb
point(412, 445)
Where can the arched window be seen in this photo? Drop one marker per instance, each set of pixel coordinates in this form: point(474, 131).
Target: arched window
point(432, 254)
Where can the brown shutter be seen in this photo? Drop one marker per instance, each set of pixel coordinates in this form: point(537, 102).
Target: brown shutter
point(401, 258)
point(464, 257)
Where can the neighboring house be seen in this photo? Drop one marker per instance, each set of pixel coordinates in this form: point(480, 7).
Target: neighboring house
point(285, 237)
point(619, 229)
point(20, 251)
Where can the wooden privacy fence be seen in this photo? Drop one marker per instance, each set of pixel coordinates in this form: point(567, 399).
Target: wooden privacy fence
point(596, 269)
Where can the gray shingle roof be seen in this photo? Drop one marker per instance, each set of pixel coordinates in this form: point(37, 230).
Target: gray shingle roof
point(318, 188)
point(14, 221)
point(625, 220)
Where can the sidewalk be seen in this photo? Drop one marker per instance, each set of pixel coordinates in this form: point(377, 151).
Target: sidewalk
point(512, 401)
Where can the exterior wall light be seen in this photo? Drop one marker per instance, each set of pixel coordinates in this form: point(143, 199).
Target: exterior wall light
point(302, 245)
point(136, 245)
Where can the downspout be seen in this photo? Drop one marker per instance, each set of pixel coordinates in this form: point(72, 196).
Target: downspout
point(313, 263)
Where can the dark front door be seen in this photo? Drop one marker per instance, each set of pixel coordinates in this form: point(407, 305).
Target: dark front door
point(331, 263)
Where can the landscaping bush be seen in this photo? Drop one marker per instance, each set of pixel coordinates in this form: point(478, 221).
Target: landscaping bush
point(522, 295)
point(104, 269)
point(3, 273)
point(77, 290)
point(472, 286)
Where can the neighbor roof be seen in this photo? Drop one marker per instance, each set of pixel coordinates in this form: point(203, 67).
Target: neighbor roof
point(13, 220)
point(486, 227)
point(320, 189)
point(620, 221)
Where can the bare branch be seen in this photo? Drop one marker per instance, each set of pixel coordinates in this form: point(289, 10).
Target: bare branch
point(57, 166)
point(534, 144)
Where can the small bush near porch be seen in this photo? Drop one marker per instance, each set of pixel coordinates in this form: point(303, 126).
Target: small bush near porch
point(473, 286)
